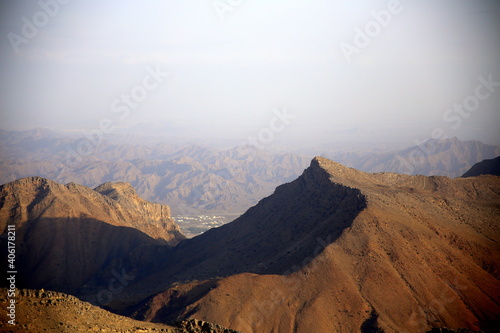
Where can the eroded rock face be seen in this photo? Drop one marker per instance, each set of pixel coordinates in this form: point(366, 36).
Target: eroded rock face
point(34, 198)
point(70, 235)
point(151, 218)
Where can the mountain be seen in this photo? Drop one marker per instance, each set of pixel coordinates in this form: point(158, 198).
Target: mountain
point(340, 250)
point(439, 157)
point(48, 311)
point(335, 250)
point(193, 180)
point(69, 234)
point(485, 167)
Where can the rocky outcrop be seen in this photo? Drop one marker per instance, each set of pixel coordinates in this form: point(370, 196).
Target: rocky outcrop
point(151, 218)
point(48, 311)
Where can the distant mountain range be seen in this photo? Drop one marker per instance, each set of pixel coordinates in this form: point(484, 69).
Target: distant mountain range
point(197, 180)
point(191, 179)
point(445, 157)
point(335, 250)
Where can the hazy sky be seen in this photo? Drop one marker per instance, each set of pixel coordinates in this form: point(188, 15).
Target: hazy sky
point(346, 70)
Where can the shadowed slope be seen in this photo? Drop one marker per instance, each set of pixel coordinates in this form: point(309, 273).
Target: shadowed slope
point(71, 235)
point(423, 253)
point(485, 167)
point(278, 235)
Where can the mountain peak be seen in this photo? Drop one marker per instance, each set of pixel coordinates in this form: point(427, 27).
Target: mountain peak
point(330, 166)
point(339, 173)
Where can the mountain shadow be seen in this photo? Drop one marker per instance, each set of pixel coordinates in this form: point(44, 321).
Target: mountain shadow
point(280, 235)
point(485, 167)
point(71, 254)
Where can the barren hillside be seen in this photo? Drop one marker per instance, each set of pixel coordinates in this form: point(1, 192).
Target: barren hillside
point(48, 311)
point(423, 253)
point(336, 250)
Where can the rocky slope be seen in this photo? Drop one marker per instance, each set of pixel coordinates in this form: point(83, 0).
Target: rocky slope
point(48, 311)
point(336, 250)
point(444, 157)
point(486, 167)
point(340, 250)
point(70, 234)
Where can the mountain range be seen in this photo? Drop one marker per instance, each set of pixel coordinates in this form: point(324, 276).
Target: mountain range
point(191, 179)
point(335, 250)
point(434, 157)
point(196, 180)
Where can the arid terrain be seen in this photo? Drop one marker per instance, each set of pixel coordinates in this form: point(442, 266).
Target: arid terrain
point(336, 250)
point(48, 311)
point(230, 166)
point(67, 234)
point(394, 252)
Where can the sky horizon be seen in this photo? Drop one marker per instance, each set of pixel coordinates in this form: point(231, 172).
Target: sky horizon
point(319, 72)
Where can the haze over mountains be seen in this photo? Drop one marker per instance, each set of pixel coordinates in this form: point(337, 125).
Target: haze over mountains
point(336, 250)
point(445, 157)
point(196, 180)
point(191, 179)
point(266, 166)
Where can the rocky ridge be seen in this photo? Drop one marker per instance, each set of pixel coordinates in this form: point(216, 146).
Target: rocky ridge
point(336, 250)
point(418, 253)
